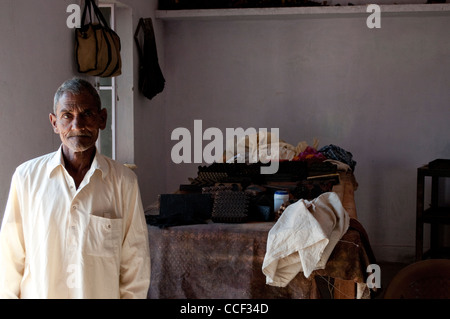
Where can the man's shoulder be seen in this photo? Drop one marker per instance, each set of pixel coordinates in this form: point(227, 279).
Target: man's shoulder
point(34, 164)
point(119, 169)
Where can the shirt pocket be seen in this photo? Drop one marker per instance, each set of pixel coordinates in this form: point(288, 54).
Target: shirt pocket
point(104, 236)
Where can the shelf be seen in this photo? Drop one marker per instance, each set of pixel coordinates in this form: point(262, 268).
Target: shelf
point(435, 171)
point(297, 12)
point(437, 215)
point(442, 252)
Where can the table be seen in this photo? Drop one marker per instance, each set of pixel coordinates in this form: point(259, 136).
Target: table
point(225, 260)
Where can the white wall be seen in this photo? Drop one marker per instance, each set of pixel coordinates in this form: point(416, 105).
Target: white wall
point(35, 52)
point(145, 147)
point(149, 115)
point(36, 56)
point(381, 94)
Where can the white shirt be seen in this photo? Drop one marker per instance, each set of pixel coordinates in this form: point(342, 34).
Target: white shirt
point(61, 242)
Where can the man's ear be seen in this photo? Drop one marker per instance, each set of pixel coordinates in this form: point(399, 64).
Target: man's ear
point(52, 118)
point(103, 118)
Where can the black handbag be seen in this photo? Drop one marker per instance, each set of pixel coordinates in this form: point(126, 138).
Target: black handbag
point(97, 46)
point(151, 79)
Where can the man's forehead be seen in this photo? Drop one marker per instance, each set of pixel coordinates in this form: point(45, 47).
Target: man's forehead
point(76, 102)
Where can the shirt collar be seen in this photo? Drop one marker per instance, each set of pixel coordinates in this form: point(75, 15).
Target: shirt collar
point(99, 163)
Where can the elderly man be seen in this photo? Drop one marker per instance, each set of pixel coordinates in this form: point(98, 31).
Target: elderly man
point(74, 225)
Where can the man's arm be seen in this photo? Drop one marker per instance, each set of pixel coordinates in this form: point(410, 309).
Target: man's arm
point(135, 259)
point(12, 245)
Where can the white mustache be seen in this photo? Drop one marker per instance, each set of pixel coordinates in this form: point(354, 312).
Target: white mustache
point(81, 134)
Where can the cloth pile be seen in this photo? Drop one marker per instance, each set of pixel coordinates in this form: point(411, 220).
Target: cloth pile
point(303, 238)
point(337, 153)
point(259, 147)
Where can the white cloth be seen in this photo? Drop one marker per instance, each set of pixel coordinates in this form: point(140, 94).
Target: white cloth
point(339, 165)
point(303, 238)
point(261, 147)
point(61, 242)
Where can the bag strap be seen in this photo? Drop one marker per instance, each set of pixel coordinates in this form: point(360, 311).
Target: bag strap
point(136, 37)
point(146, 26)
point(89, 5)
point(99, 15)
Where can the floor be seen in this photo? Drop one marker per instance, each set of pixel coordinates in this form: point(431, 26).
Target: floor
point(387, 270)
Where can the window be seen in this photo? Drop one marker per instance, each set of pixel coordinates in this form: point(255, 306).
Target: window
point(117, 95)
point(107, 91)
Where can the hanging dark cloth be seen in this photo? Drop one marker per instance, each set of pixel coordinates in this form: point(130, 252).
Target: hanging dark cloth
point(151, 79)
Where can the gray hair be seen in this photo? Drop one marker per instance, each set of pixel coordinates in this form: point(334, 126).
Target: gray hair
point(76, 86)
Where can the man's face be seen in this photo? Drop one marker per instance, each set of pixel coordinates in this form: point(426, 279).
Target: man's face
point(78, 121)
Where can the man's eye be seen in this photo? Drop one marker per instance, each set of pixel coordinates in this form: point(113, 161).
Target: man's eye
point(66, 116)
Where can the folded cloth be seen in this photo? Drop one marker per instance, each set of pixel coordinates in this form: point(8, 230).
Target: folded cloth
point(303, 238)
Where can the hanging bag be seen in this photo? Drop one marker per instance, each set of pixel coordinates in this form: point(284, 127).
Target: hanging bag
point(151, 78)
point(97, 46)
